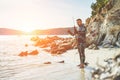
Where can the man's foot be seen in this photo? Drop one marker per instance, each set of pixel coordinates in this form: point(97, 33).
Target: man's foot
point(85, 64)
point(81, 65)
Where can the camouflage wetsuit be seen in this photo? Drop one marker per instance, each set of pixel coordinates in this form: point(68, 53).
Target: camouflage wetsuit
point(81, 39)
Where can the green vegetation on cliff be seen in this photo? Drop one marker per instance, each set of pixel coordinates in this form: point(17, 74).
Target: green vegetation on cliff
point(96, 7)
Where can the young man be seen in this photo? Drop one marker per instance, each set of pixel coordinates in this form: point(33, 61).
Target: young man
point(80, 35)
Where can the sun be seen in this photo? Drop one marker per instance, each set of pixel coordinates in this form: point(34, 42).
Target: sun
point(28, 29)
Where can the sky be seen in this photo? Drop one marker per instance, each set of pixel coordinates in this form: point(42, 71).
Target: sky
point(42, 14)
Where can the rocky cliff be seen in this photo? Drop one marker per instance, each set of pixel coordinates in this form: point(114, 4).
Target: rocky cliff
point(104, 27)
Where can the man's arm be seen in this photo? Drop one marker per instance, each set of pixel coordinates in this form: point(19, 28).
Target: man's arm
point(75, 30)
point(70, 33)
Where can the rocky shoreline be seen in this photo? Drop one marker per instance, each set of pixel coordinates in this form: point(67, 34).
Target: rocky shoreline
point(56, 45)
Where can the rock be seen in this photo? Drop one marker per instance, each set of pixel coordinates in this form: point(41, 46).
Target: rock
point(116, 57)
point(53, 45)
point(87, 22)
point(35, 38)
point(34, 52)
point(117, 77)
point(107, 45)
point(67, 46)
point(93, 46)
point(93, 34)
point(45, 42)
point(111, 30)
point(110, 71)
point(109, 5)
point(47, 62)
point(74, 43)
point(61, 61)
point(44, 46)
point(118, 44)
point(118, 40)
point(23, 54)
point(61, 50)
point(58, 50)
point(104, 27)
point(47, 50)
point(60, 46)
point(26, 45)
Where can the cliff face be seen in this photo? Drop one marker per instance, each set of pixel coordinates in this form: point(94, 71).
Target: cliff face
point(104, 27)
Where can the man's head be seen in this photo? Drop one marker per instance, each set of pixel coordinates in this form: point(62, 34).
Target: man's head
point(79, 22)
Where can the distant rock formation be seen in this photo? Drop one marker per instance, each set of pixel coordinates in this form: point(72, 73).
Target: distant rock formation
point(53, 31)
point(6, 31)
point(104, 27)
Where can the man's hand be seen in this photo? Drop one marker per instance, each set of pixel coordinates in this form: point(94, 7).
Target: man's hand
point(70, 32)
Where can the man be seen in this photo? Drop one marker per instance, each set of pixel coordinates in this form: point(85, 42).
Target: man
point(80, 35)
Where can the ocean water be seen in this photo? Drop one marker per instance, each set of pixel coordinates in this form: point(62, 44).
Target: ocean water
point(13, 67)
point(12, 45)
point(10, 62)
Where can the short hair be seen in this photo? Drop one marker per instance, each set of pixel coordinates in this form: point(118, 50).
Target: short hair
point(79, 19)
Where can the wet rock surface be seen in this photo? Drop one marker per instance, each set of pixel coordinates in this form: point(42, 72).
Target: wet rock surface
point(110, 71)
point(26, 53)
point(55, 44)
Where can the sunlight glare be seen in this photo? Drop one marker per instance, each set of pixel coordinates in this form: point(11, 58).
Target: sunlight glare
point(28, 29)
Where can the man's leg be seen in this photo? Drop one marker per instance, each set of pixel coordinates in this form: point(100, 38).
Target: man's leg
point(81, 54)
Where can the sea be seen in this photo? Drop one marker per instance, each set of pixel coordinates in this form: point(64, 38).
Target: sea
point(14, 67)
